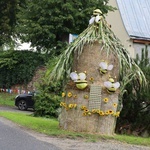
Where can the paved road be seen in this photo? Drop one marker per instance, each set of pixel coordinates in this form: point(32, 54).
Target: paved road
point(13, 138)
point(15, 109)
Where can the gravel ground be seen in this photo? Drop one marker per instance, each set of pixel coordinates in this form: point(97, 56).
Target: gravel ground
point(71, 144)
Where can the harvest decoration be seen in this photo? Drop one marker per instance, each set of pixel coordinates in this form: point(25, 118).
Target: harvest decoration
point(86, 96)
point(75, 96)
point(105, 100)
point(79, 80)
point(129, 70)
point(111, 86)
point(63, 94)
point(115, 104)
point(95, 43)
point(91, 79)
point(69, 94)
point(104, 67)
point(68, 106)
point(86, 112)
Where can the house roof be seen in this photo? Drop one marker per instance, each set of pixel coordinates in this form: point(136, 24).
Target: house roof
point(136, 17)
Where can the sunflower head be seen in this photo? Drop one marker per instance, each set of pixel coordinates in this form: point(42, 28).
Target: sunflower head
point(75, 96)
point(93, 110)
point(74, 105)
point(105, 100)
point(86, 96)
point(70, 106)
point(63, 94)
point(83, 107)
point(101, 113)
point(110, 112)
point(115, 104)
point(69, 94)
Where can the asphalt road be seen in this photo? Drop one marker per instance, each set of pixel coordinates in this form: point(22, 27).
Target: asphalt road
point(14, 138)
point(15, 109)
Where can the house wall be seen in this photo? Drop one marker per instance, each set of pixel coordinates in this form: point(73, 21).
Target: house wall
point(117, 26)
point(138, 49)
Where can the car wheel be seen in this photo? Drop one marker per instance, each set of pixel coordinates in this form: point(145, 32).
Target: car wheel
point(22, 105)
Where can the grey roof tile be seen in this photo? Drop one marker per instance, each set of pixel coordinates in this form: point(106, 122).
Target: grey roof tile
point(136, 17)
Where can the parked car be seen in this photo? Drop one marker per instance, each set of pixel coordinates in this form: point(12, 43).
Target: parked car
point(25, 101)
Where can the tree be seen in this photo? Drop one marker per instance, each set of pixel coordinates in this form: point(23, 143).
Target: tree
point(9, 9)
point(47, 23)
point(18, 67)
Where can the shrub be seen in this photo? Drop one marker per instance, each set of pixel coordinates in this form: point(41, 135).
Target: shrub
point(135, 115)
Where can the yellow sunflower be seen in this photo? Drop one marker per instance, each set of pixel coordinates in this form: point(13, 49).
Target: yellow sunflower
point(92, 79)
point(74, 105)
point(89, 113)
point(63, 94)
point(93, 110)
point(101, 113)
point(69, 94)
point(86, 96)
point(117, 114)
point(61, 104)
point(84, 114)
point(110, 112)
point(106, 112)
point(83, 107)
point(65, 105)
point(115, 104)
point(75, 96)
point(105, 100)
point(70, 106)
point(86, 110)
point(98, 111)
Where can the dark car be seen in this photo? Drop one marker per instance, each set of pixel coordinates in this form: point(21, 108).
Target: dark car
point(25, 101)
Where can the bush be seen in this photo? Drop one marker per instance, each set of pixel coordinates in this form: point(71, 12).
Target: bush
point(135, 115)
point(48, 99)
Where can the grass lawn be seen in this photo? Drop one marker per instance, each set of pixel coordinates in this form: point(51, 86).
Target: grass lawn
point(7, 99)
point(51, 127)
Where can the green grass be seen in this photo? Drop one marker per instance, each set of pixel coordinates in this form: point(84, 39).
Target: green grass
point(7, 99)
point(51, 128)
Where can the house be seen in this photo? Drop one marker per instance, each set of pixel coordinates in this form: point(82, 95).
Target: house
point(131, 24)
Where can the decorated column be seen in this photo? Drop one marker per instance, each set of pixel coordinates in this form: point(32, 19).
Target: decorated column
point(91, 67)
point(87, 106)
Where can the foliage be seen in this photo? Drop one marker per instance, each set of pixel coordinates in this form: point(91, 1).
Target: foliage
point(18, 67)
point(47, 100)
point(8, 19)
point(136, 100)
point(47, 23)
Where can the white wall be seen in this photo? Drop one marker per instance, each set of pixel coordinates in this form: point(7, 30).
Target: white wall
point(138, 49)
point(117, 26)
